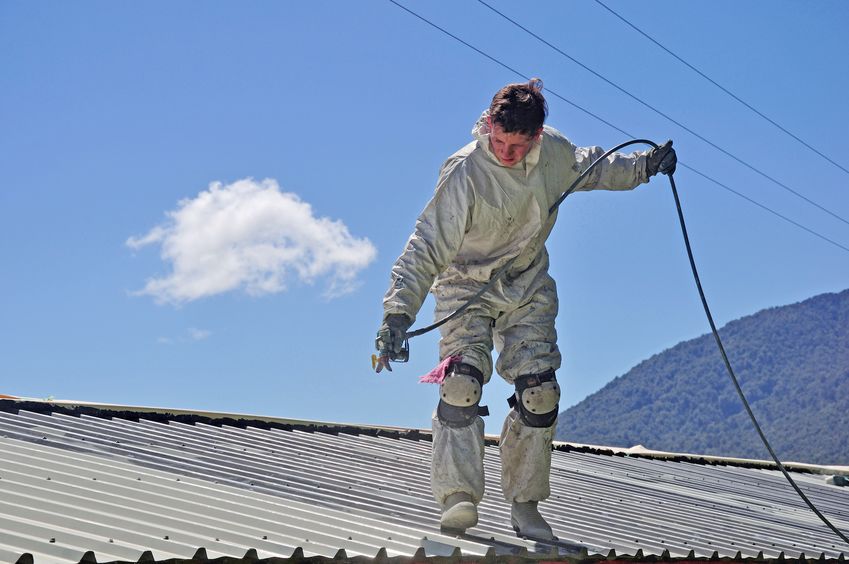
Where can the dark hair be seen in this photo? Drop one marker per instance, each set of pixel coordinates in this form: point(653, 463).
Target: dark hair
point(520, 107)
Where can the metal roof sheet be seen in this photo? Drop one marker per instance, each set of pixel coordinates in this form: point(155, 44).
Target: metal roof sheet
point(73, 483)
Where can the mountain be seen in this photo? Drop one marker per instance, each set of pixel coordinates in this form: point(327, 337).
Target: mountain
point(793, 366)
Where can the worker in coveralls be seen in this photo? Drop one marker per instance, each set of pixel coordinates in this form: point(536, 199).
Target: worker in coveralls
point(491, 204)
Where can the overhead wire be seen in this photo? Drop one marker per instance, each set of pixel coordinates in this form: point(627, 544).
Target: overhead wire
point(765, 208)
point(617, 128)
point(667, 116)
point(724, 89)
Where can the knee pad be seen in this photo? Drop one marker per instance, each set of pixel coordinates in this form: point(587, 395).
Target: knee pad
point(460, 396)
point(536, 399)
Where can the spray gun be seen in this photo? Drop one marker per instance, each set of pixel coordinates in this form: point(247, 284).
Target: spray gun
point(386, 354)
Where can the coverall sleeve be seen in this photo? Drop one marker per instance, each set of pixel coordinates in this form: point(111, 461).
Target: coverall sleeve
point(618, 171)
point(434, 243)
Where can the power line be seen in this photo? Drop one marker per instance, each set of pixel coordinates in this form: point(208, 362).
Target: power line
point(712, 81)
point(676, 122)
point(620, 130)
point(763, 207)
point(506, 66)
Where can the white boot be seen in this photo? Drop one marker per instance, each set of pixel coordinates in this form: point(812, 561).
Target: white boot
point(527, 522)
point(458, 513)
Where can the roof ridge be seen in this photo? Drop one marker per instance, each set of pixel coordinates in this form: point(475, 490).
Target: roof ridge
point(13, 404)
point(639, 451)
point(135, 413)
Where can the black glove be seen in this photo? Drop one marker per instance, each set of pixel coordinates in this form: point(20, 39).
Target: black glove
point(390, 339)
point(662, 160)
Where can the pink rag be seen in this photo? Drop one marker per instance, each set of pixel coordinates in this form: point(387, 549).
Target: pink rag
point(437, 375)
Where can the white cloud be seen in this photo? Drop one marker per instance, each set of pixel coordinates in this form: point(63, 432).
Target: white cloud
point(192, 334)
point(250, 235)
point(196, 334)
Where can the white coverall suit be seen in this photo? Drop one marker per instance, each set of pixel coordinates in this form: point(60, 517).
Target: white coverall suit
point(482, 215)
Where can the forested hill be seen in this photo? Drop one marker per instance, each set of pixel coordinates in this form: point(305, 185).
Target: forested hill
point(793, 366)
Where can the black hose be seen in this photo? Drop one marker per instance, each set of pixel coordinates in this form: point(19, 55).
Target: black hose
point(731, 371)
point(497, 276)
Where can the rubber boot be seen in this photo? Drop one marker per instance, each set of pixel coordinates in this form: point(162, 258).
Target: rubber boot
point(527, 522)
point(458, 513)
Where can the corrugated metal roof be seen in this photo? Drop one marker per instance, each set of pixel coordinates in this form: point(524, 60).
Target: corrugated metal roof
point(73, 483)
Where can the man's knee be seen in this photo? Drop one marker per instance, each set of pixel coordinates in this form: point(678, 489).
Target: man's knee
point(536, 399)
point(460, 396)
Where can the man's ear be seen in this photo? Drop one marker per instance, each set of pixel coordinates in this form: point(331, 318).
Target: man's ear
point(538, 134)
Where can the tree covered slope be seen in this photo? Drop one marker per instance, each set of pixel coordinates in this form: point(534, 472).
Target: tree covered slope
point(792, 363)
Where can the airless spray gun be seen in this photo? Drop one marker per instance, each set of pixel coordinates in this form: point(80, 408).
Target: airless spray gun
point(384, 349)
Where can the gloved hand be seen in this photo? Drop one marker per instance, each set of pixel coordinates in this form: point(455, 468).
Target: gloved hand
point(662, 160)
point(390, 339)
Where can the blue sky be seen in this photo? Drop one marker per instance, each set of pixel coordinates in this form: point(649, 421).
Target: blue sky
point(200, 202)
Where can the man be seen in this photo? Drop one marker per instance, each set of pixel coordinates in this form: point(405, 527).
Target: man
point(490, 206)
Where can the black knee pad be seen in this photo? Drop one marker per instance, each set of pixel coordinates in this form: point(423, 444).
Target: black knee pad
point(536, 399)
point(460, 396)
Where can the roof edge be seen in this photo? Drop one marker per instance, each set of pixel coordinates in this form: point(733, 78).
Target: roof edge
point(121, 411)
point(639, 451)
point(75, 407)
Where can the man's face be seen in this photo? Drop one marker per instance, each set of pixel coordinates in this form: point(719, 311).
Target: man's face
point(510, 148)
